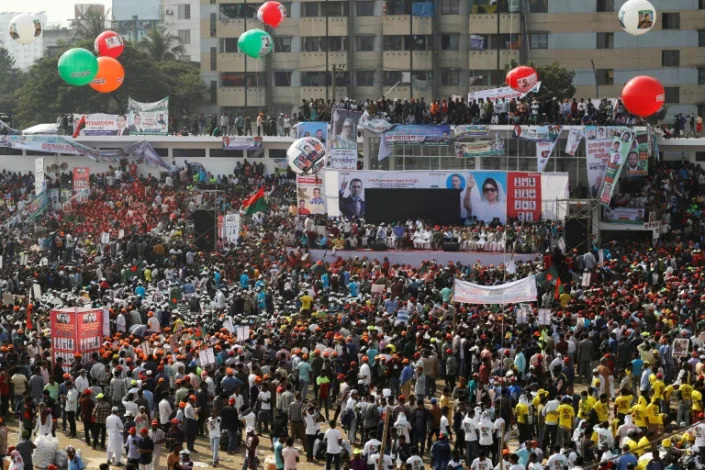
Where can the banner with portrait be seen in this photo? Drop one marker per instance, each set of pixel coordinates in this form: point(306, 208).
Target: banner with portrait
point(422, 134)
point(638, 159)
point(538, 133)
point(598, 141)
point(506, 93)
point(248, 142)
point(524, 196)
point(480, 148)
point(99, 124)
point(624, 215)
point(309, 195)
point(148, 118)
point(375, 125)
point(622, 143)
point(471, 130)
point(317, 129)
point(81, 182)
point(342, 144)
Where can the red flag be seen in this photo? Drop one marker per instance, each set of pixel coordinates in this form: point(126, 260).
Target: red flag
point(558, 286)
point(29, 320)
point(79, 127)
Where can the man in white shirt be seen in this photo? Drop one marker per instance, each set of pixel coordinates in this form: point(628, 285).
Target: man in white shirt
point(265, 413)
point(470, 432)
point(334, 445)
point(482, 462)
point(557, 461)
point(114, 429)
point(165, 411)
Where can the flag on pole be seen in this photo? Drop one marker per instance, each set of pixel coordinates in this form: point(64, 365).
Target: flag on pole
point(255, 203)
point(79, 127)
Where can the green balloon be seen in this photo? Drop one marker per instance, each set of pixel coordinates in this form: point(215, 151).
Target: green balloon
point(78, 66)
point(255, 43)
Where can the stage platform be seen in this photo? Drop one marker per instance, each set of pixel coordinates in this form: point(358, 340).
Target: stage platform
point(416, 257)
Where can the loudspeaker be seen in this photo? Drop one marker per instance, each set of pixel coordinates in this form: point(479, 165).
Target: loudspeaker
point(576, 231)
point(204, 228)
point(451, 246)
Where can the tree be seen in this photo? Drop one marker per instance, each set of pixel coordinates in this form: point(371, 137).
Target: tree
point(90, 24)
point(10, 80)
point(556, 81)
point(160, 44)
point(43, 95)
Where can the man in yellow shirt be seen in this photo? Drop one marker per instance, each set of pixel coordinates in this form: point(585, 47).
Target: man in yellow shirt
point(566, 420)
point(643, 445)
point(586, 404)
point(622, 404)
point(638, 413)
point(602, 408)
point(657, 387)
point(684, 404)
point(522, 415)
point(306, 301)
point(697, 398)
point(654, 417)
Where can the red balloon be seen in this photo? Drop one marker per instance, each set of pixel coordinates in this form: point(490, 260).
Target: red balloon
point(643, 96)
point(109, 77)
point(522, 78)
point(271, 13)
point(109, 44)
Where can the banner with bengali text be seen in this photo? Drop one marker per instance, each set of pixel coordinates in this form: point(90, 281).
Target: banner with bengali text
point(523, 290)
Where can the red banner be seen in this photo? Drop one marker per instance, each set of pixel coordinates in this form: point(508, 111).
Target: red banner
point(75, 332)
point(81, 178)
point(524, 196)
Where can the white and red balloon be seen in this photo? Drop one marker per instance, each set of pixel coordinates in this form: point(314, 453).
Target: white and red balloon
point(271, 13)
point(643, 96)
point(522, 78)
point(109, 44)
point(637, 17)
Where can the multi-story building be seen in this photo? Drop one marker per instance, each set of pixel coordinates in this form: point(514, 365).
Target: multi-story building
point(133, 19)
point(441, 48)
point(24, 54)
point(183, 19)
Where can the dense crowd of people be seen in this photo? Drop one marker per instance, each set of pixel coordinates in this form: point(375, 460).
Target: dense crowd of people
point(358, 362)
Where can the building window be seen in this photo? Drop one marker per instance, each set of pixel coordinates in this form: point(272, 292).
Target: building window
point(365, 77)
point(394, 43)
point(282, 79)
point(479, 78)
point(237, 11)
point(312, 44)
point(214, 58)
point(214, 92)
point(701, 75)
point(334, 43)
point(670, 58)
point(184, 12)
point(671, 20)
point(287, 8)
point(213, 19)
point(701, 38)
point(391, 78)
point(364, 43)
point(450, 77)
point(539, 40)
point(423, 42)
point(284, 44)
point(342, 78)
point(184, 36)
point(605, 5)
point(365, 8)
point(397, 7)
point(313, 79)
point(335, 8)
point(538, 6)
point(450, 7)
point(228, 45)
point(605, 40)
point(309, 9)
point(497, 77)
point(673, 94)
point(450, 42)
point(605, 76)
point(701, 4)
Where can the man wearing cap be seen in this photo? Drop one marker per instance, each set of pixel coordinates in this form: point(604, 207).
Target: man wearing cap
point(191, 421)
point(101, 412)
point(132, 448)
point(440, 453)
point(71, 407)
point(86, 404)
point(158, 436)
point(114, 428)
point(145, 448)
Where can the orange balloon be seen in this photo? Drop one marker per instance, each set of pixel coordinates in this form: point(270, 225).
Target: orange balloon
point(109, 77)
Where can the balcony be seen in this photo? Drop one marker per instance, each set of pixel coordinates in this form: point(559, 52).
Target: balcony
point(399, 24)
point(230, 28)
point(399, 60)
point(487, 60)
point(231, 62)
point(235, 96)
point(316, 26)
point(320, 92)
point(316, 61)
point(485, 23)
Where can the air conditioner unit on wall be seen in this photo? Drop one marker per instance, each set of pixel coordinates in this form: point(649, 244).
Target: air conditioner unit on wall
point(168, 12)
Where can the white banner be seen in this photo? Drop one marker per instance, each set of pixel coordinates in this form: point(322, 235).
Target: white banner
point(39, 182)
point(148, 118)
point(231, 226)
point(505, 92)
point(523, 290)
point(575, 136)
point(544, 149)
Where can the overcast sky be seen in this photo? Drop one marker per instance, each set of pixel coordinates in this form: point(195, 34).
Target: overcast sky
point(58, 11)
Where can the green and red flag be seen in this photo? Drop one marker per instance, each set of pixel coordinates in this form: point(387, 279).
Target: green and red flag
point(255, 203)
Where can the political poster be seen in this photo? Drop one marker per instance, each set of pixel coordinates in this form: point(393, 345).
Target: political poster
point(538, 133)
point(99, 124)
point(622, 143)
point(39, 181)
point(342, 144)
point(471, 130)
point(598, 141)
point(81, 182)
point(421, 134)
point(248, 142)
point(316, 129)
point(575, 136)
point(63, 336)
point(54, 196)
point(624, 215)
point(524, 196)
point(89, 332)
point(523, 290)
point(231, 228)
point(480, 148)
point(506, 93)
point(375, 125)
point(48, 144)
point(148, 118)
point(309, 195)
point(75, 331)
point(638, 159)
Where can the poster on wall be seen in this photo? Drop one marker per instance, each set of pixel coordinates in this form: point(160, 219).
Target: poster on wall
point(598, 141)
point(99, 124)
point(231, 142)
point(148, 118)
point(342, 144)
point(309, 195)
point(81, 182)
point(471, 130)
point(89, 332)
point(316, 129)
point(637, 163)
point(480, 148)
point(623, 143)
point(624, 215)
point(524, 196)
point(75, 331)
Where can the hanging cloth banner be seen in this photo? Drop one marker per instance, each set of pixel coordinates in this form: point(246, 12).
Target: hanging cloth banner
point(575, 136)
point(622, 143)
point(523, 290)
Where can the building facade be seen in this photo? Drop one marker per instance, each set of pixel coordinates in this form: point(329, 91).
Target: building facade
point(441, 48)
point(133, 19)
point(24, 54)
point(183, 19)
